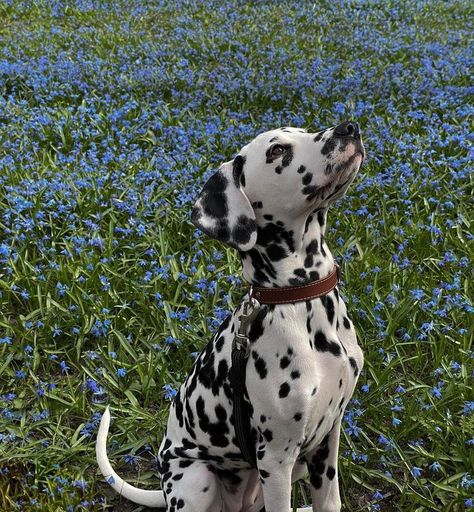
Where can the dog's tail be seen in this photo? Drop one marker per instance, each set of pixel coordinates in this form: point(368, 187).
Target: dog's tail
point(140, 496)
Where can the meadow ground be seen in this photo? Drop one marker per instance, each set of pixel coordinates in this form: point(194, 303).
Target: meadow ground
point(112, 114)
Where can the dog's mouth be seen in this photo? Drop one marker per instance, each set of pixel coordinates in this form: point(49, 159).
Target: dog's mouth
point(341, 172)
point(360, 151)
point(349, 161)
point(357, 158)
point(354, 149)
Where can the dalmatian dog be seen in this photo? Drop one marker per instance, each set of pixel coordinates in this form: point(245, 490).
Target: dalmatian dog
point(270, 203)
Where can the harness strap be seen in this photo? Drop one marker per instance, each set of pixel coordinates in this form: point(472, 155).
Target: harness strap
point(240, 409)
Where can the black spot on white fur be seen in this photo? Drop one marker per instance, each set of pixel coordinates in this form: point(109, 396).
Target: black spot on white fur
point(243, 230)
point(237, 170)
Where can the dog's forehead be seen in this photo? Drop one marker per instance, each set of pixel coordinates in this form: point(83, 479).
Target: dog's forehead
point(283, 135)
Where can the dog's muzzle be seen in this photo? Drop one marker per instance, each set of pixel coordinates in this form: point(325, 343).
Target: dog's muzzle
point(349, 132)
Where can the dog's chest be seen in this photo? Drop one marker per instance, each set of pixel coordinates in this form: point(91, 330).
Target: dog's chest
point(303, 365)
point(302, 370)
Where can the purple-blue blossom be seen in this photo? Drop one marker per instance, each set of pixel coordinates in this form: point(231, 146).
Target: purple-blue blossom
point(170, 391)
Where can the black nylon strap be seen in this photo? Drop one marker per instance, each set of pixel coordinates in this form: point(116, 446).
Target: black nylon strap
point(241, 414)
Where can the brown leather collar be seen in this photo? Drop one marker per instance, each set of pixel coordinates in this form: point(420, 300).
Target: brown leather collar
point(297, 293)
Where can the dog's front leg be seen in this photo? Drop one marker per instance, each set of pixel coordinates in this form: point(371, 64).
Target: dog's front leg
point(322, 468)
point(276, 484)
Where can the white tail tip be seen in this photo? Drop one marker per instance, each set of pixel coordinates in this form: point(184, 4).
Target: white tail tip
point(140, 496)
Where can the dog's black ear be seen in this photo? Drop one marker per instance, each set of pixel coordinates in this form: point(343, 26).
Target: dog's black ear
point(223, 211)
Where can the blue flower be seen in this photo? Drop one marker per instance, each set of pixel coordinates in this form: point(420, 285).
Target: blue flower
point(121, 372)
point(377, 495)
point(61, 289)
point(132, 460)
point(64, 367)
point(92, 385)
point(171, 340)
point(40, 416)
point(455, 366)
point(417, 294)
point(436, 391)
point(105, 283)
point(466, 481)
point(416, 472)
point(4, 252)
point(468, 408)
point(353, 430)
point(170, 391)
point(80, 484)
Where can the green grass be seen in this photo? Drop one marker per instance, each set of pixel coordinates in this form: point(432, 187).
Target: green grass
point(124, 144)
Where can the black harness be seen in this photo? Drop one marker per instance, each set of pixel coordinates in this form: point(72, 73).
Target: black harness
point(240, 409)
point(240, 354)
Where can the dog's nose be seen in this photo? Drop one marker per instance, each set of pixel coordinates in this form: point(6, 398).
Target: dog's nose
point(347, 129)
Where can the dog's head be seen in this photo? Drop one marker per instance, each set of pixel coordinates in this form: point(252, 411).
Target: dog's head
point(286, 173)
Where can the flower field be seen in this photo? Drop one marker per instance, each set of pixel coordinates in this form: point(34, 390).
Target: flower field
point(112, 115)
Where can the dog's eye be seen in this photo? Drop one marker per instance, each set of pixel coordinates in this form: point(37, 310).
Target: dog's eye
point(278, 150)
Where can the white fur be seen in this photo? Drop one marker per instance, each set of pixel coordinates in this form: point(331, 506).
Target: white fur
point(140, 496)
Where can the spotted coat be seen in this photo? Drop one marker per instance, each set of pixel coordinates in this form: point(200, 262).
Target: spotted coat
point(270, 203)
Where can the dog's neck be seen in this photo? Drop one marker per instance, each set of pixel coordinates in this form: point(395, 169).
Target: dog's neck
point(288, 254)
